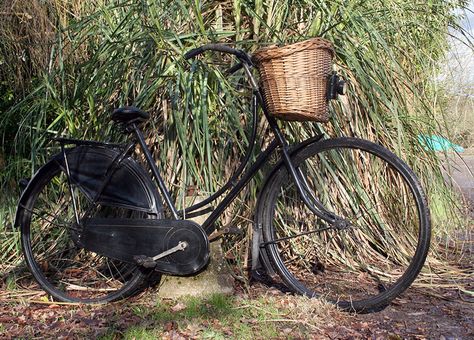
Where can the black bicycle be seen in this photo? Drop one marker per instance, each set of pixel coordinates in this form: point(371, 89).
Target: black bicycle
point(344, 219)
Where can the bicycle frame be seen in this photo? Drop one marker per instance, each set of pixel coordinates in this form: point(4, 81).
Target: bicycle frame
point(235, 186)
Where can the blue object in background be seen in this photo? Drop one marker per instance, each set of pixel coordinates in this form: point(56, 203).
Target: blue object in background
point(438, 143)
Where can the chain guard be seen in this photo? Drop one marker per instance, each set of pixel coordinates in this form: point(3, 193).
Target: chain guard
point(125, 239)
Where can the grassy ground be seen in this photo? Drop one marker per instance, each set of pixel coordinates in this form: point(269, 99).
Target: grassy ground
point(259, 313)
point(216, 317)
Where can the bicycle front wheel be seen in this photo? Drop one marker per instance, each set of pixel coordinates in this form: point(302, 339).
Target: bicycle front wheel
point(384, 243)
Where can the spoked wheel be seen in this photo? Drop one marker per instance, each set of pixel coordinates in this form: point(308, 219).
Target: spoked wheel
point(49, 238)
point(378, 250)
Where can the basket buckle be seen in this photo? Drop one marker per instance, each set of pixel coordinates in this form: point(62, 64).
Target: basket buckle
point(336, 86)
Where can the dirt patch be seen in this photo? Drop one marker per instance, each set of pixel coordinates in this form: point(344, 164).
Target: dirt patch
point(415, 315)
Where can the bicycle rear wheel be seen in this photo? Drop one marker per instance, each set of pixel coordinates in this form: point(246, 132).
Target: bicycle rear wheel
point(360, 267)
point(49, 238)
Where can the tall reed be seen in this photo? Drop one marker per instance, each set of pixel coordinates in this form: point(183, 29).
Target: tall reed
point(103, 54)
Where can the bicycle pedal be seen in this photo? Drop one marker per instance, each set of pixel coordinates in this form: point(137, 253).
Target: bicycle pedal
point(225, 231)
point(145, 261)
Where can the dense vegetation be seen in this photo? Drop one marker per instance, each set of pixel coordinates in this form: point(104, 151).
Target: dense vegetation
point(65, 65)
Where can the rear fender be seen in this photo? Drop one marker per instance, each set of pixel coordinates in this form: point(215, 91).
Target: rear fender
point(129, 185)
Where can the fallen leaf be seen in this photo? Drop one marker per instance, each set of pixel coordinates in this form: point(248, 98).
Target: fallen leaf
point(178, 307)
point(227, 331)
point(417, 313)
point(169, 326)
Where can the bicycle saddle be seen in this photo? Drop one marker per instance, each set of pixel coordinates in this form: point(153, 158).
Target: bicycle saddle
point(129, 114)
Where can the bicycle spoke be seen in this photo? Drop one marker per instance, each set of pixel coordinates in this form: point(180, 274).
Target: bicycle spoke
point(39, 214)
point(294, 236)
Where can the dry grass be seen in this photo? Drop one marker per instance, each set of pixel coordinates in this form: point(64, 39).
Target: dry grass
point(27, 34)
point(459, 119)
point(89, 57)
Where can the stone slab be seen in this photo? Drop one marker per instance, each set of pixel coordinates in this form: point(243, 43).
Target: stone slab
point(215, 278)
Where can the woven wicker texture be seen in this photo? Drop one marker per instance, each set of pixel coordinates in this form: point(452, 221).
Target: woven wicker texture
point(294, 79)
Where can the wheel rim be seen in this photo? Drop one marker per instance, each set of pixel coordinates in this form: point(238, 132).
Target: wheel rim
point(63, 268)
point(367, 264)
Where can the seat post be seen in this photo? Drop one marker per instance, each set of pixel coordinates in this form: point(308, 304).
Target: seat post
point(154, 169)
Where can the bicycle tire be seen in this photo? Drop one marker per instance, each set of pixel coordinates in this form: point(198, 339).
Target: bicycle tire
point(365, 266)
point(66, 271)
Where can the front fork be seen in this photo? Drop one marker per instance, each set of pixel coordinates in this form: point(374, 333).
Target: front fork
point(309, 199)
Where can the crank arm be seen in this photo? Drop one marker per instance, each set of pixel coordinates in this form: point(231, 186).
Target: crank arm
point(150, 262)
point(181, 246)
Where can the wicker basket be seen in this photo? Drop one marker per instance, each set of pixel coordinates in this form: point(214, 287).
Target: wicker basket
point(294, 79)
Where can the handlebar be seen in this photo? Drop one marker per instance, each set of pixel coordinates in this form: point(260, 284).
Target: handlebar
point(241, 55)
